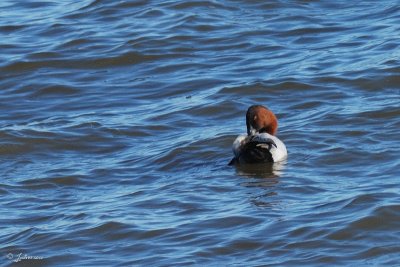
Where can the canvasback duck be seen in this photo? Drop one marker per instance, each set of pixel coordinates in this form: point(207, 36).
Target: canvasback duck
point(259, 145)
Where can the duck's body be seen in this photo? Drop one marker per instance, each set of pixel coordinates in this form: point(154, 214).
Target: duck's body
point(259, 145)
point(258, 148)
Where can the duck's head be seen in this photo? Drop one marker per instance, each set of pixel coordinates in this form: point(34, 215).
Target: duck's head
point(260, 119)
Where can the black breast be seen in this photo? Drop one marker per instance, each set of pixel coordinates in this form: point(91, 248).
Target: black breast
point(256, 152)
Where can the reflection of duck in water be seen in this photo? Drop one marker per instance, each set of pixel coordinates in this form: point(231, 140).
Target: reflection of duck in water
point(260, 145)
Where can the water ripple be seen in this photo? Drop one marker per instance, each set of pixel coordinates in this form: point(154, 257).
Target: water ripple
point(118, 118)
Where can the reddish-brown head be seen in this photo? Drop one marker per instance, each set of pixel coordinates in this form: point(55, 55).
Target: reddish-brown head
point(260, 119)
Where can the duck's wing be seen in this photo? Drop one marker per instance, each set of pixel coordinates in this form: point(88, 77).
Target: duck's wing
point(233, 161)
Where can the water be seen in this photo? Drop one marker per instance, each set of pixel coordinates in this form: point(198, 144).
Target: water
point(117, 119)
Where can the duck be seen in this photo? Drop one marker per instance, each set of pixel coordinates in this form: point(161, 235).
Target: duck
point(260, 144)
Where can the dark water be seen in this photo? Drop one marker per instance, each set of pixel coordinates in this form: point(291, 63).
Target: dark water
point(117, 119)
